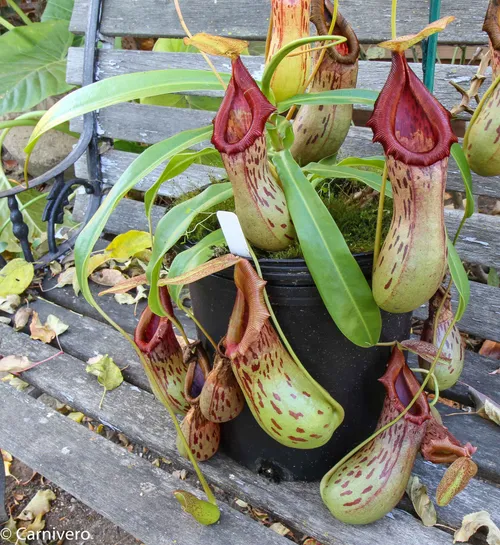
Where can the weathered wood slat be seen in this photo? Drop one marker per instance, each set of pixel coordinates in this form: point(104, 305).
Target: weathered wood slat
point(482, 315)
point(114, 163)
point(121, 486)
point(372, 75)
point(370, 19)
point(142, 419)
point(150, 124)
point(143, 123)
point(86, 331)
point(359, 144)
point(479, 241)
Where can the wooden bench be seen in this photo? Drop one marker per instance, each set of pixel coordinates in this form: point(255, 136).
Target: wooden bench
point(127, 488)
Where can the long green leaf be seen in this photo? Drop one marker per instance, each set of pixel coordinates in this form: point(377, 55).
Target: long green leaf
point(371, 179)
point(377, 161)
point(121, 89)
point(189, 259)
point(460, 279)
point(337, 96)
point(340, 282)
point(142, 166)
point(458, 155)
point(172, 226)
point(177, 165)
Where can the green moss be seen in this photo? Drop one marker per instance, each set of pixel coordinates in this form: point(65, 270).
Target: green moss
point(355, 216)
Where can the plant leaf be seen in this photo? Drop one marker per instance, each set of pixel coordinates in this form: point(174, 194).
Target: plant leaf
point(493, 279)
point(41, 332)
point(371, 179)
point(33, 64)
point(15, 277)
point(189, 259)
point(172, 226)
point(107, 372)
point(128, 244)
point(204, 512)
point(60, 10)
point(121, 89)
point(471, 524)
point(337, 96)
point(143, 165)
point(56, 324)
point(21, 317)
point(340, 282)
point(425, 350)
point(423, 505)
point(10, 303)
point(126, 285)
point(177, 165)
point(402, 43)
point(39, 505)
point(463, 165)
point(460, 279)
point(201, 271)
point(14, 364)
point(377, 161)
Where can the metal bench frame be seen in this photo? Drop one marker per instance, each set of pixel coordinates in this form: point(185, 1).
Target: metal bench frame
point(61, 189)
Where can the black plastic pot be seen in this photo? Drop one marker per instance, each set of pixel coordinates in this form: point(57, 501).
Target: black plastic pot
point(347, 371)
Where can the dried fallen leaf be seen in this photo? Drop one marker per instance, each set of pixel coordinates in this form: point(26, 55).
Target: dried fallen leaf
point(55, 268)
point(68, 277)
point(96, 261)
point(423, 505)
point(405, 42)
point(485, 406)
point(11, 537)
point(241, 503)
point(15, 277)
point(107, 277)
point(4, 320)
point(10, 303)
point(217, 45)
point(21, 317)
point(492, 411)
point(126, 285)
point(41, 332)
point(76, 416)
point(14, 364)
point(279, 528)
point(490, 349)
point(455, 479)
point(128, 244)
point(57, 325)
point(39, 505)
point(108, 374)
point(496, 372)
point(128, 299)
point(15, 382)
point(470, 525)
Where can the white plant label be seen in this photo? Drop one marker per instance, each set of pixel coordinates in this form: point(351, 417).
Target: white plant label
point(233, 233)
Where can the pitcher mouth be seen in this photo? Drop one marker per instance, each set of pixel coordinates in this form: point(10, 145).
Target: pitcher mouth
point(152, 328)
point(408, 121)
point(321, 16)
point(401, 386)
point(242, 116)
